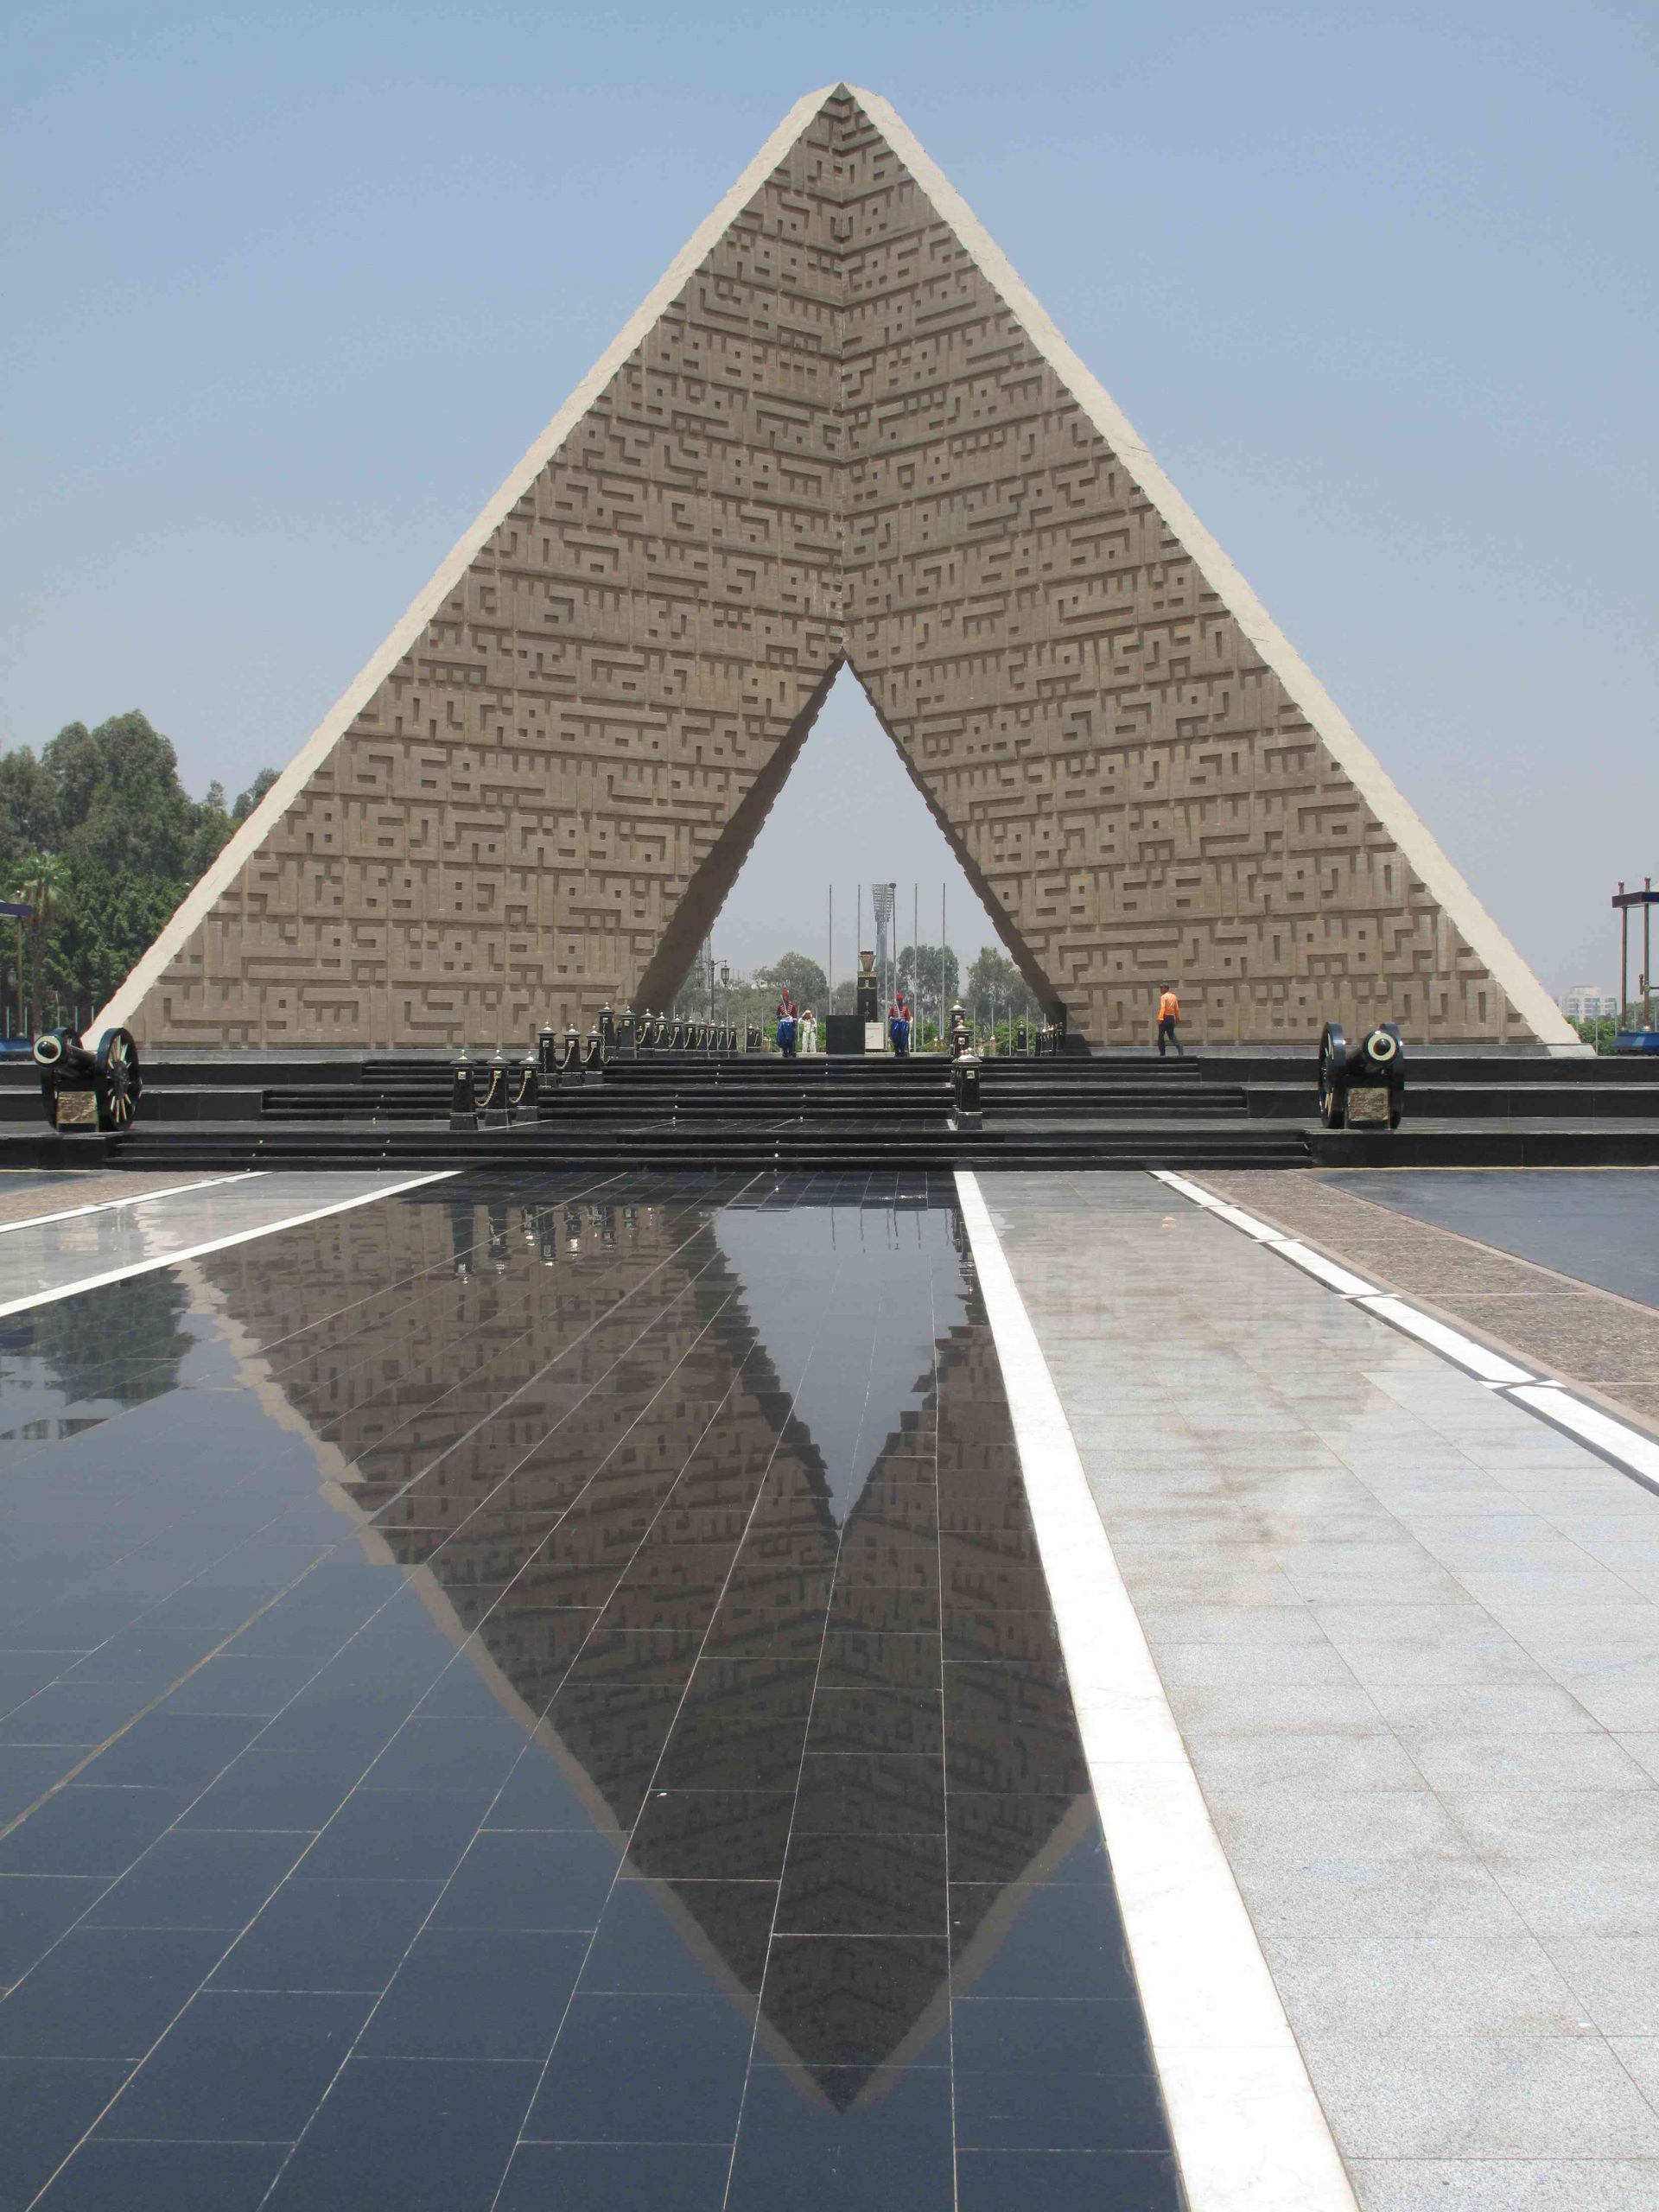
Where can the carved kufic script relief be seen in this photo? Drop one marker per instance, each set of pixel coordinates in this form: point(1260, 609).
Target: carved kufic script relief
point(839, 432)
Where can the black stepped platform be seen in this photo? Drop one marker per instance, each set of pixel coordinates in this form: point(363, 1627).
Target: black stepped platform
point(1110, 1109)
point(668, 1110)
point(1107, 1089)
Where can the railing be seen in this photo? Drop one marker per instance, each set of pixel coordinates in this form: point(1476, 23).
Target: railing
point(50, 1014)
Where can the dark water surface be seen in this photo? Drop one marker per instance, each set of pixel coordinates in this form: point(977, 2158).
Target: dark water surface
point(543, 1694)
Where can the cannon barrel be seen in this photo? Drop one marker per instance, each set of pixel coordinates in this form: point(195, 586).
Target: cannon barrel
point(1361, 1084)
point(62, 1051)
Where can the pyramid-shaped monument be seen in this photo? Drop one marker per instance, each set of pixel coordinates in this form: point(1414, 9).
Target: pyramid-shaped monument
point(840, 429)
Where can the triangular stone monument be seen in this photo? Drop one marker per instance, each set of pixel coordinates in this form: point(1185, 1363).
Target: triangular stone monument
point(839, 429)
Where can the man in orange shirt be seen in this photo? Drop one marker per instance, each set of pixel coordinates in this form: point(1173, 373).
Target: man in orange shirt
point(1169, 1013)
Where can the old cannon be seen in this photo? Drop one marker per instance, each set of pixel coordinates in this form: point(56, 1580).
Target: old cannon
point(87, 1089)
point(1362, 1086)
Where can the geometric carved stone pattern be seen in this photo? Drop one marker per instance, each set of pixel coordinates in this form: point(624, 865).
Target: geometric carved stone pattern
point(841, 430)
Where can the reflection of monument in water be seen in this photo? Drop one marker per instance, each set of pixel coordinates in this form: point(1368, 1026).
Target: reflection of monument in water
point(498, 1384)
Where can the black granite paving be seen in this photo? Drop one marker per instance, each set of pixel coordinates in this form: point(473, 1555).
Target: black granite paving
point(542, 1694)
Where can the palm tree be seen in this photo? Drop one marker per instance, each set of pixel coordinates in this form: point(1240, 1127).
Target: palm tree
point(40, 880)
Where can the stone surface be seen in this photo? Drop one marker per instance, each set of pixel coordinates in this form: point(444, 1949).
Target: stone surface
point(1594, 1333)
point(839, 432)
point(1423, 1724)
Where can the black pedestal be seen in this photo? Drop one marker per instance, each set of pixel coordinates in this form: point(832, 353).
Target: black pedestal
point(843, 1032)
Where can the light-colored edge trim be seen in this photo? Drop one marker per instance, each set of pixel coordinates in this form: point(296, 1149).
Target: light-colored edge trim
point(1352, 755)
point(133, 1199)
point(1488, 1366)
point(1638, 1454)
point(247, 839)
point(1249, 2130)
point(1622, 1446)
point(219, 1243)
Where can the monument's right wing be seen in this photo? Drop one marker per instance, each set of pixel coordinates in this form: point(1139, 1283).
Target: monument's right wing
point(1144, 776)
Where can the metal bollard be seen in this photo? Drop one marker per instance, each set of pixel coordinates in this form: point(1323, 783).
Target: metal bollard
point(496, 1112)
point(525, 1091)
point(964, 1090)
point(595, 1063)
point(570, 1065)
point(547, 1056)
point(608, 1031)
point(463, 1099)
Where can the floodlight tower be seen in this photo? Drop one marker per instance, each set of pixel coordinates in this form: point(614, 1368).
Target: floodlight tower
point(882, 896)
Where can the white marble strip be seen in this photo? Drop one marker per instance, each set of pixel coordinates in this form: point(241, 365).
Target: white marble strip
point(133, 1199)
point(1628, 1448)
point(1341, 1280)
point(1451, 1344)
point(1249, 2130)
point(1625, 1447)
point(219, 1243)
point(1199, 1198)
point(1264, 1232)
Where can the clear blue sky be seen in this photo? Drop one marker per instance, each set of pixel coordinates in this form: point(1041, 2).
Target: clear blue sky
point(288, 288)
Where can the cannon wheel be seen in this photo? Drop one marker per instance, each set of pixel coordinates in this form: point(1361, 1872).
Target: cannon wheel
point(1333, 1066)
point(118, 1083)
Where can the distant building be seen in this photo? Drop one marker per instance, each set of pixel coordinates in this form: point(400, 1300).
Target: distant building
point(1584, 1002)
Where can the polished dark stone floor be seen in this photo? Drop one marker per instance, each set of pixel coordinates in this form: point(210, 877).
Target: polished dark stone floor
point(542, 1695)
point(1600, 1225)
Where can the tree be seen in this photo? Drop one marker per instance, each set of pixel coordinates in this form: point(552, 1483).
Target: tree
point(29, 807)
point(101, 837)
point(804, 979)
point(918, 976)
point(42, 881)
point(120, 803)
point(247, 800)
point(996, 991)
point(111, 918)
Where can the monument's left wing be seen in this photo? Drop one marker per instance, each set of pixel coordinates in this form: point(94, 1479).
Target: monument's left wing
point(507, 815)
